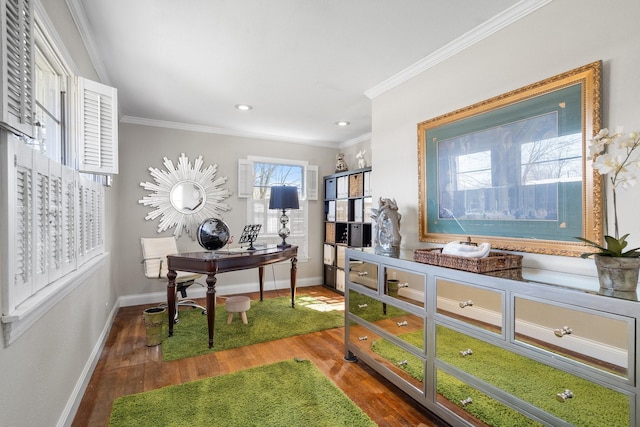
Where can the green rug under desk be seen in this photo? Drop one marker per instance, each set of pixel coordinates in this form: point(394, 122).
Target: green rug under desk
point(268, 320)
point(526, 379)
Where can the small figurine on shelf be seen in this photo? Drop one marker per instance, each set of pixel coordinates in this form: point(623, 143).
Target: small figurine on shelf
point(341, 164)
point(362, 162)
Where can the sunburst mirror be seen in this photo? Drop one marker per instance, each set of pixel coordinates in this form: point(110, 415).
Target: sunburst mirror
point(184, 195)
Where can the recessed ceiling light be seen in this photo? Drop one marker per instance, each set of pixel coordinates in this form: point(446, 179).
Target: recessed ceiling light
point(342, 123)
point(244, 107)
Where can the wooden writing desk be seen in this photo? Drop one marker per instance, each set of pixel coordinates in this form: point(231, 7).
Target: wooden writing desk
point(214, 262)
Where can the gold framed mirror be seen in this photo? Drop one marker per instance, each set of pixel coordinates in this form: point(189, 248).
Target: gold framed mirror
point(512, 170)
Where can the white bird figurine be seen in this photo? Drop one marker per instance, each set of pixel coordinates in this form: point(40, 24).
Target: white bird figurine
point(362, 163)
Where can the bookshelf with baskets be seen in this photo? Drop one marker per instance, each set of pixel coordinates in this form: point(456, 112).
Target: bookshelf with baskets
point(347, 206)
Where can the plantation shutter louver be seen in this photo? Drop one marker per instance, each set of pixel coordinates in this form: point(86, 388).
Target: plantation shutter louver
point(20, 263)
point(245, 178)
point(17, 106)
point(311, 182)
point(98, 127)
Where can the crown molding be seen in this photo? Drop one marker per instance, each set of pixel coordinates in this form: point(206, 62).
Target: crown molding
point(79, 16)
point(503, 19)
point(222, 131)
point(356, 140)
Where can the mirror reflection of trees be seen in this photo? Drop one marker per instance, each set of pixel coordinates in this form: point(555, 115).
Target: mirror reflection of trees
point(513, 171)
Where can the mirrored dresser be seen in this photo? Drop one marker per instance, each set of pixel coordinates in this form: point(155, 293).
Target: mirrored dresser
point(497, 349)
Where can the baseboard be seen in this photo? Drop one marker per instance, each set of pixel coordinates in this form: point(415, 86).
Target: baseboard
point(70, 409)
point(196, 291)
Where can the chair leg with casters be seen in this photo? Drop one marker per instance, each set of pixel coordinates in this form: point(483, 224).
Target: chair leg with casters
point(182, 289)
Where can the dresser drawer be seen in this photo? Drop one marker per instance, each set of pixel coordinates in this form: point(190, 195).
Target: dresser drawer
point(601, 340)
point(404, 364)
point(466, 401)
point(363, 273)
point(568, 397)
point(393, 320)
point(407, 286)
point(472, 305)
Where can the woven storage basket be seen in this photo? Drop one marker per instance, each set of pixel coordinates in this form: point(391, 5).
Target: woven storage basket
point(494, 262)
point(356, 185)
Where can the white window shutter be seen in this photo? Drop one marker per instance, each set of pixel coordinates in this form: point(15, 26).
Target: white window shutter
point(16, 167)
point(311, 182)
point(90, 219)
point(69, 220)
point(41, 221)
point(245, 178)
point(17, 66)
point(55, 220)
point(98, 127)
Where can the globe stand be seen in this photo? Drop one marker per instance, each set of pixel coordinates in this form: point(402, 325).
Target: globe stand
point(250, 234)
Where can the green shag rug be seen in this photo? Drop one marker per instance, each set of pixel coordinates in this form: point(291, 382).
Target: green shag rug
point(268, 320)
point(531, 381)
point(289, 393)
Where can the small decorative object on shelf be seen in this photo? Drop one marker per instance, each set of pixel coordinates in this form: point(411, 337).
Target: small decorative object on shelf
point(386, 233)
point(362, 162)
point(341, 163)
point(613, 154)
point(213, 234)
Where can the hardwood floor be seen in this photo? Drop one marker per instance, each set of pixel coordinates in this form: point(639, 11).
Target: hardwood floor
point(128, 366)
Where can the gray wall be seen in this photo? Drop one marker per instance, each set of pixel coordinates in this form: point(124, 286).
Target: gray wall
point(142, 147)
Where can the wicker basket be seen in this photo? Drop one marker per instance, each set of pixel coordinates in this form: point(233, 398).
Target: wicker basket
point(494, 262)
point(356, 185)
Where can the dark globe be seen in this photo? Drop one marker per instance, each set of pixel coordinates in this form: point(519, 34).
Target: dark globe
point(213, 234)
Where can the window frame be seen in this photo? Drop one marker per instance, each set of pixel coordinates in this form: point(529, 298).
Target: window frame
point(308, 191)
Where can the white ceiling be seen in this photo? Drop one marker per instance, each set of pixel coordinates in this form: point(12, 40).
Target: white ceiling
point(302, 65)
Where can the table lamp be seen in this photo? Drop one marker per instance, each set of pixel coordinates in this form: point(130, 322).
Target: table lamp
point(284, 197)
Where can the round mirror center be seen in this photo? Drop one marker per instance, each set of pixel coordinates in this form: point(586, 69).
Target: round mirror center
point(187, 197)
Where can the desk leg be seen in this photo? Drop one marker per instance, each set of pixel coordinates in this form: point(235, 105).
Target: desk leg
point(294, 272)
point(211, 305)
point(171, 298)
point(261, 279)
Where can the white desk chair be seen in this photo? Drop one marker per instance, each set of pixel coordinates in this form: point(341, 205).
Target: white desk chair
point(154, 259)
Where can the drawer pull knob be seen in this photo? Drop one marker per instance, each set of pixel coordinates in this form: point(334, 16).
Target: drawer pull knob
point(403, 285)
point(363, 305)
point(464, 304)
point(403, 323)
point(467, 352)
point(565, 330)
point(562, 397)
point(402, 362)
point(466, 401)
point(364, 338)
point(362, 273)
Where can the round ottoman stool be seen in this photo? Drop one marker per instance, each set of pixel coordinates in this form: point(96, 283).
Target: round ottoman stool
point(238, 304)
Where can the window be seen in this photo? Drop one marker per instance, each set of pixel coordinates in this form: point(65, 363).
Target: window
point(50, 102)
point(256, 176)
point(54, 215)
